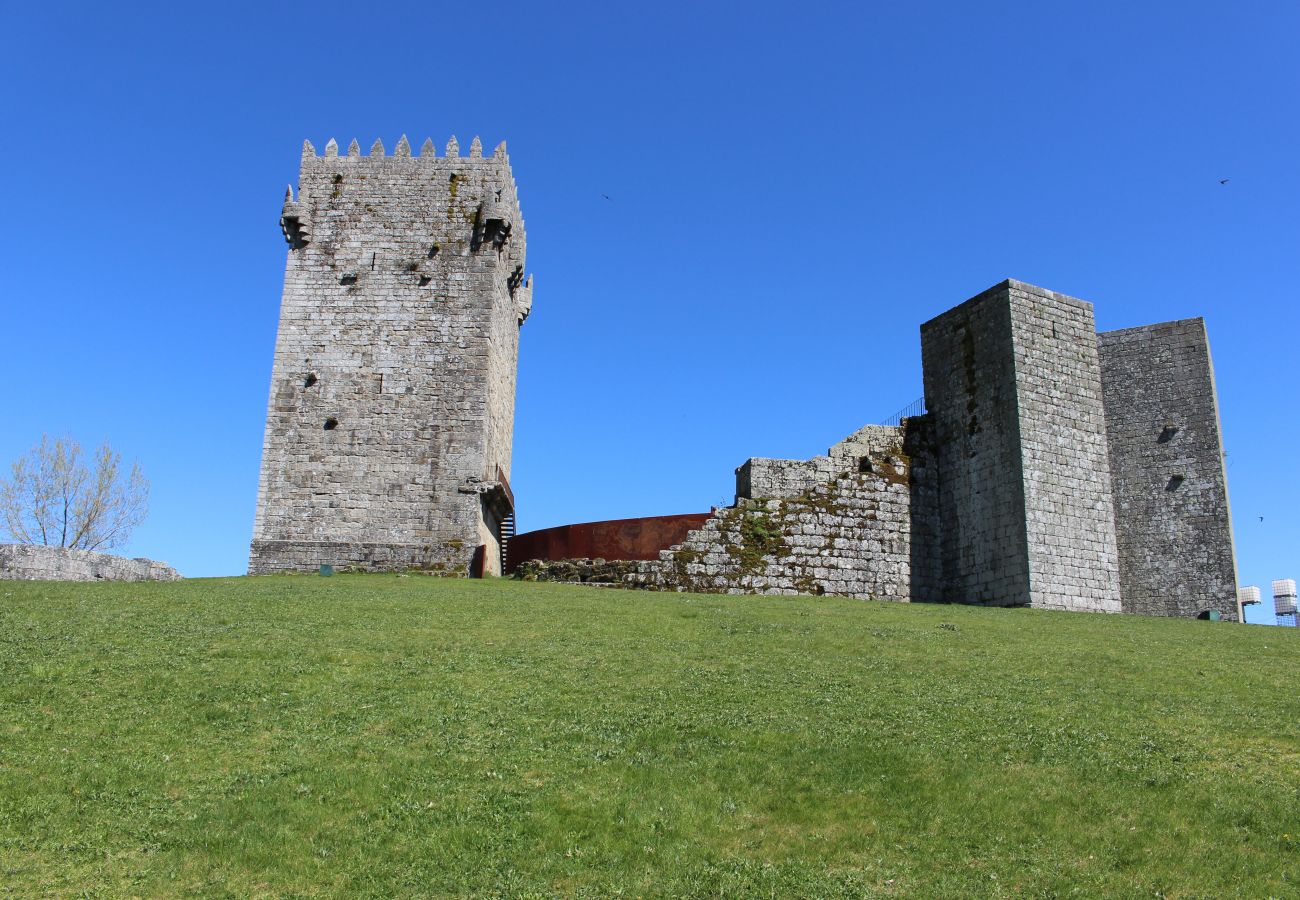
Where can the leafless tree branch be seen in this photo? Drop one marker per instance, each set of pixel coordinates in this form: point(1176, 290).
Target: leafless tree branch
point(53, 498)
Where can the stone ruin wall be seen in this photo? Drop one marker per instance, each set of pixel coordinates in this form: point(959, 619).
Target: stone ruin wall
point(1166, 460)
point(30, 562)
point(393, 384)
point(844, 524)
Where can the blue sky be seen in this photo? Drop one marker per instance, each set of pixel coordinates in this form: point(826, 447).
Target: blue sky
point(793, 190)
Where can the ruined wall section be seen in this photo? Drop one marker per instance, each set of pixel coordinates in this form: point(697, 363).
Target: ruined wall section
point(31, 562)
point(390, 405)
point(1176, 555)
point(838, 525)
point(1069, 512)
point(968, 360)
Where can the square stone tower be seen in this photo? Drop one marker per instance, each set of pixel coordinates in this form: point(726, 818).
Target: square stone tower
point(391, 413)
point(1176, 555)
point(1013, 389)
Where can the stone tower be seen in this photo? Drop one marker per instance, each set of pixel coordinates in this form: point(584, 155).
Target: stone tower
point(1013, 388)
point(391, 412)
point(1176, 555)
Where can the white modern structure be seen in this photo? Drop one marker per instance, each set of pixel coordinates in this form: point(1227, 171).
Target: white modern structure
point(1284, 601)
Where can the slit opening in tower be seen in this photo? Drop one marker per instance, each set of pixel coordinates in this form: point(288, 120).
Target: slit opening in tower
point(309, 380)
point(331, 423)
point(1175, 482)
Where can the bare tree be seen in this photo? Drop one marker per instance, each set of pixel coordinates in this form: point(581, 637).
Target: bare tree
point(52, 498)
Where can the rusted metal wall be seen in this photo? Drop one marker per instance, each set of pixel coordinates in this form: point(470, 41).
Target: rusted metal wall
point(613, 539)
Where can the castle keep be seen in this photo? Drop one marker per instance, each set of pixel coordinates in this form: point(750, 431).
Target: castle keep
point(1053, 467)
point(391, 415)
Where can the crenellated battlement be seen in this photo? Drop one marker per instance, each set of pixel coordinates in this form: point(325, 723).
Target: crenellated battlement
point(403, 151)
point(491, 170)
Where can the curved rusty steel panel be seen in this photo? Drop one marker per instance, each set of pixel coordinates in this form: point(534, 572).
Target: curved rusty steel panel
point(613, 539)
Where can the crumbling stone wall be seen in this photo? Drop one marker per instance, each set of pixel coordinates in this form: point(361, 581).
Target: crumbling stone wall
point(840, 524)
point(1166, 459)
point(28, 562)
point(612, 572)
point(392, 392)
point(1013, 388)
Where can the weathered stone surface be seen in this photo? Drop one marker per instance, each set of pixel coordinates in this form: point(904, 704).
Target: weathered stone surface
point(27, 562)
point(577, 571)
point(391, 409)
point(835, 525)
point(1013, 386)
point(1166, 458)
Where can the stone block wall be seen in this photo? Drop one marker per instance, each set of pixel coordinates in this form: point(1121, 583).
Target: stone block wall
point(968, 360)
point(1069, 511)
point(392, 392)
point(1166, 458)
point(840, 525)
point(1013, 388)
point(28, 562)
point(580, 570)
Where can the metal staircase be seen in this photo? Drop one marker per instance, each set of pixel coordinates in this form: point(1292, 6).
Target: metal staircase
point(505, 531)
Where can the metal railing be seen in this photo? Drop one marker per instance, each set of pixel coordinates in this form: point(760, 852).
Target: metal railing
point(915, 408)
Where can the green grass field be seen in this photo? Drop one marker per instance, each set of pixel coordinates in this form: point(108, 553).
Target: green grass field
point(406, 736)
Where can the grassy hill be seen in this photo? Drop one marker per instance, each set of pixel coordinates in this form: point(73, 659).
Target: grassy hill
point(385, 735)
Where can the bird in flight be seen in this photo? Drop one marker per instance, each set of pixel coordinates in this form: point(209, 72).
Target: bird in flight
point(1224, 180)
point(606, 196)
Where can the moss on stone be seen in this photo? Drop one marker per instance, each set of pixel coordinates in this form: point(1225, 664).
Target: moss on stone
point(761, 535)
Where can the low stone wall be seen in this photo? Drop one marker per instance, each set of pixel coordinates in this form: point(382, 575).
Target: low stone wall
point(26, 562)
point(580, 571)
